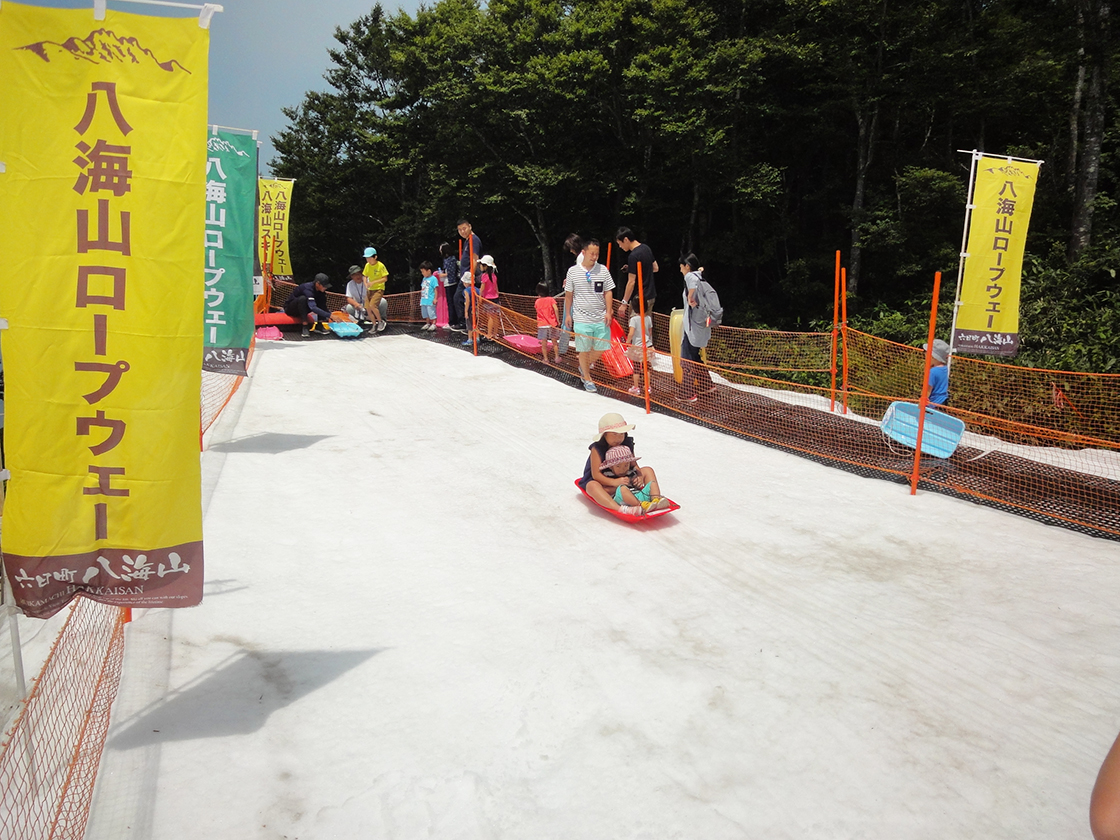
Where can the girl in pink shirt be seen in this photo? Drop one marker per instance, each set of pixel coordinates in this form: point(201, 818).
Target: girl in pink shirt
point(488, 288)
point(548, 322)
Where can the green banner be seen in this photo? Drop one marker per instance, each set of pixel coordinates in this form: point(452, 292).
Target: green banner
point(231, 182)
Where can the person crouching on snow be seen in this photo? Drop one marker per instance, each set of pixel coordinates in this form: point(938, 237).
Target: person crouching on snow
point(308, 303)
point(603, 486)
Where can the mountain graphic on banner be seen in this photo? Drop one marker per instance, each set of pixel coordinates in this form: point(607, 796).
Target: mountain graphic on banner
point(217, 144)
point(102, 46)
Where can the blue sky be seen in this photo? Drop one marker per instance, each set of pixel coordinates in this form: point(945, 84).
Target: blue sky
point(264, 54)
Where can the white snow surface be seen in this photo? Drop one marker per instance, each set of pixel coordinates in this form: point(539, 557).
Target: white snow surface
point(415, 627)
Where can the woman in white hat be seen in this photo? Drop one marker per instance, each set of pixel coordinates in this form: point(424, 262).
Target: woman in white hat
point(605, 487)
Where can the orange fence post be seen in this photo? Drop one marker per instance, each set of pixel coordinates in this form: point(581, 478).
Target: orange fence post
point(474, 298)
point(923, 401)
point(844, 330)
point(835, 321)
point(642, 322)
point(609, 257)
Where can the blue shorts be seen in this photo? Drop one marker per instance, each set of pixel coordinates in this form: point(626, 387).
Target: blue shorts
point(642, 495)
point(428, 310)
point(592, 337)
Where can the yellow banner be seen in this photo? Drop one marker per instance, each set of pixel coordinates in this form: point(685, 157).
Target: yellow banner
point(102, 203)
point(988, 311)
point(272, 239)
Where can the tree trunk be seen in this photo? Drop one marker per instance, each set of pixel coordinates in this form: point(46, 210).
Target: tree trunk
point(1075, 124)
point(1095, 15)
point(865, 147)
point(541, 232)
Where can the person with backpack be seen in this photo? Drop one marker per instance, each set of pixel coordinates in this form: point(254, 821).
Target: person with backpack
point(698, 317)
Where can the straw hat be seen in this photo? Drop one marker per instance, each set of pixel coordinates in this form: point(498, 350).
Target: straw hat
point(613, 422)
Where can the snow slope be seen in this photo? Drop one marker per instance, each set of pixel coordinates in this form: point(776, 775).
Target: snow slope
point(416, 627)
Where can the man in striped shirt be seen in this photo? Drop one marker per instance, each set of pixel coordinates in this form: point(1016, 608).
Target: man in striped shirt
point(589, 300)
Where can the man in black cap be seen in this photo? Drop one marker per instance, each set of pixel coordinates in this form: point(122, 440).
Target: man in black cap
point(308, 303)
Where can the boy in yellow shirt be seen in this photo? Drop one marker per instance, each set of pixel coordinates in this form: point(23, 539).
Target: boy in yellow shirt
point(376, 274)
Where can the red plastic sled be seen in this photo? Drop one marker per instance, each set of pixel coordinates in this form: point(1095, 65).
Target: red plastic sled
point(263, 319)
point(615, 359)
point(629, 517)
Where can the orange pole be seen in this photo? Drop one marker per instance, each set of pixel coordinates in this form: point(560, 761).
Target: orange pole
point(642, 322)
point(844, 330)
point(473, 297)
point(126, 614)
point(835, 322)
point(609, 244)
point(924, 399)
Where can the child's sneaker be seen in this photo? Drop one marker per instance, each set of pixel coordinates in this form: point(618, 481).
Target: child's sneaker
point(589, 386)
point(305, 332)
point(631, 510)
point(636, 391)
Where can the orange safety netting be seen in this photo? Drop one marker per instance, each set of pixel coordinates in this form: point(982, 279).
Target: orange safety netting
point(1043, 443)
point(217, 390)
point(50, 756)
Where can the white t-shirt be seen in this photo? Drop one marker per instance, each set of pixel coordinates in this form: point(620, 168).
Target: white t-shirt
point(636, 328)
point(588, 288)
point(356, 289)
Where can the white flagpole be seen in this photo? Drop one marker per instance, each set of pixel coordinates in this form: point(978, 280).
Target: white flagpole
point(968, 208)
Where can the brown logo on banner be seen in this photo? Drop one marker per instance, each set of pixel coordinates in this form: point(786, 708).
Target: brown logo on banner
point(102, 46)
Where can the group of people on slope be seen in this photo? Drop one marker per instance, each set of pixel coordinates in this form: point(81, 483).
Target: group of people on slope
point(589, 309)
point(365, 291)
point(470, 278)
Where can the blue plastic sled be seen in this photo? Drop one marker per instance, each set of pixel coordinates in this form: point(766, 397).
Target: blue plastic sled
point(941, 433)
point(345, 329)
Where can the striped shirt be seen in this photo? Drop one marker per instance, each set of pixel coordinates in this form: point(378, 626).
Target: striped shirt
point(588, 288)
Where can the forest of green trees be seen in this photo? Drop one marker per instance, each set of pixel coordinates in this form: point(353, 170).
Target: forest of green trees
point(764, 135)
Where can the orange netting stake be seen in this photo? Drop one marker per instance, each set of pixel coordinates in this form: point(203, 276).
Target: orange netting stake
point(472, 293)
point(844, 329)
point(923, 400)
point(835, 321)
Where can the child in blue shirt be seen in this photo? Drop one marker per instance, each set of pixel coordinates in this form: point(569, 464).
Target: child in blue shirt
point(939, 373)
point(428, 295)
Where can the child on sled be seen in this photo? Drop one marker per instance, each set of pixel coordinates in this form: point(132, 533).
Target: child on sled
point(618, 483)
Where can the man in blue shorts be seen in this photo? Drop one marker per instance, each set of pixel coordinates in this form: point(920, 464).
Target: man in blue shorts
point(589, 300)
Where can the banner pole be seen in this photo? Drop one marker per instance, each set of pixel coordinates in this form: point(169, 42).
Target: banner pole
point(968, 208)
point(844, 331)
point(923, 401)
point(642, 322)
point(835, 322)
